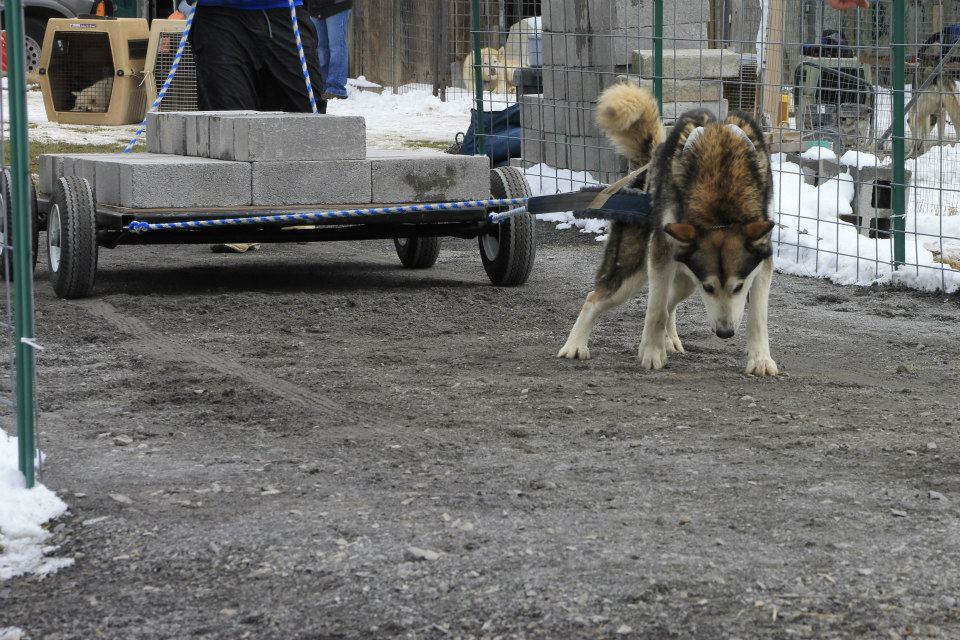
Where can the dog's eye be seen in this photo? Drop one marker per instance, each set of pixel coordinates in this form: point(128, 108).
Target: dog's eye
point(709, 288)
point(738, 288)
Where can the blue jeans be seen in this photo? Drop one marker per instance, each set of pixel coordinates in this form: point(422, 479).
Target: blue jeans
point(332, 49)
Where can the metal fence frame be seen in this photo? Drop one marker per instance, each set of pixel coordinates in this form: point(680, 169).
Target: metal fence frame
point(18, 248)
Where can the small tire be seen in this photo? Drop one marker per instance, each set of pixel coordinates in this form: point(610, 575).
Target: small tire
point(508, 249)
point(417, 253)
point(72, 238)
point(34, 30)
point(6, 262)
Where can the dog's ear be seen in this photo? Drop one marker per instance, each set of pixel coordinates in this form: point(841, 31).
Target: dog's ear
point(502, 51)
point(756, 231)
point(684, 233)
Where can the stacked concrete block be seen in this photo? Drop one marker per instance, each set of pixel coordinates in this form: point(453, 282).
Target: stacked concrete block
point(588, 46)
point(236, 159)
point(689, 64)
point(308, 182)
point(247, 136)
point(410, 176)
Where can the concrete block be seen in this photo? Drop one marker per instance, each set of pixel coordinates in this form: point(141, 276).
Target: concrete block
point(55, 166)
point(672, 110)
point(579, 84)
point(595, 155)
point(51, 169)
point(196, 128)
point(690, 64)
point(153, 133)
point(399, 176)
point(147, 181)
point(615, 47)
point(310, 182)
point(552, 14)
point(685, 90)
point(531, 112)
point(289, 136)
point(531, 145)
point(591, 16)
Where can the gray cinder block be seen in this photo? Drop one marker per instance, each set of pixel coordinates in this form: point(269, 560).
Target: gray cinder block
point(584, 16)
point(690, 64)
point(146, 181)
point(309, 182)
point(672, 110)
point(288, 136)
point(399, 176)
point(595, 155)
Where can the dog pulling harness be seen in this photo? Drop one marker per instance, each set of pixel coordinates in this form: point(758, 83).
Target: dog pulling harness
point(619, 201)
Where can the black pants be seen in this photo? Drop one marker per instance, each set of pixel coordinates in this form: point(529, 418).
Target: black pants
point(248, 60)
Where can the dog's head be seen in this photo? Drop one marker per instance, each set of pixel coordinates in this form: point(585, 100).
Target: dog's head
point(723, 261)
point(722, 172)
point(491, 62)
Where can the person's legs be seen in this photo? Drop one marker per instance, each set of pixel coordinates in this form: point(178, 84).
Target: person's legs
point(226, 70)
point(281, 59)
point(336, 72)
point(323, 45)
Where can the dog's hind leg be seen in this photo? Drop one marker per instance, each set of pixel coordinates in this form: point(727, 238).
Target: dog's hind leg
point(599, 300)
point(759, 362)
point(683, 286)
point(952, 105)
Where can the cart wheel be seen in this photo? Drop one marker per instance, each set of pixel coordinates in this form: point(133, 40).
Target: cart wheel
point(508, 249)
point(6, 232)
point(417, 253)
point(72, 238)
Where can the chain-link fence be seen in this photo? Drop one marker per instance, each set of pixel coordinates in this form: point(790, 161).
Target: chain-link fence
point(860, 105)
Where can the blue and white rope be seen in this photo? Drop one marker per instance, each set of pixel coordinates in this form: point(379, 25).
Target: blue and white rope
point(500, 217)
point(303, 60)
point(310, 216)
point(191, 11)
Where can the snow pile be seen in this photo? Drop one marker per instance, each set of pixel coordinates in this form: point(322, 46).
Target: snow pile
point(22, 515)
point(811, 239)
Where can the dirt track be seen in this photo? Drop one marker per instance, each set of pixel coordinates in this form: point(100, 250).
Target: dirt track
point(300, 418)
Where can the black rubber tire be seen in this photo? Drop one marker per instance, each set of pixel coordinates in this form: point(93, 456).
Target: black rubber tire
point(72, 238)
point(417, 253)
point(508, 249)
point(34, 29)
point(5, 264)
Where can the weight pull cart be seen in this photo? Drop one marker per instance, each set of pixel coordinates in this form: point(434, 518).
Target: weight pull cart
point(77, 227)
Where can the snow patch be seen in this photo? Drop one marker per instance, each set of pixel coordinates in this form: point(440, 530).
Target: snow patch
point(23, 513)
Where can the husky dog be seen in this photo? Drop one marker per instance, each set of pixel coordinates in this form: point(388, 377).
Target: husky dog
point(931, 108)
point(96, 97)
point(492, 70)
point(711, 186)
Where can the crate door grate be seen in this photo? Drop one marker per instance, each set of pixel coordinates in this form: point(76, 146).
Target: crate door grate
point(81, 72)
point(182, 94)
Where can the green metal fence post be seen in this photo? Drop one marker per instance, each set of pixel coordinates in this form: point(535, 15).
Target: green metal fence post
point(477, 75)
point(899, 51)
point(658, 52)
point(21, 257)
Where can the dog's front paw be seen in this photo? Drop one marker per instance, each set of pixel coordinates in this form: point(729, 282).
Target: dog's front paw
point(761, 366)
point(574, 352)
point(674, 345)
point(653, 356)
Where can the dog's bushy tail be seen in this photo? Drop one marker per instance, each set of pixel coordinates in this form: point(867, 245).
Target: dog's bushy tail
point(630, 118)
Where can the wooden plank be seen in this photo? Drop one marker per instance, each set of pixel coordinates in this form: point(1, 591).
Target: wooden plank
point(772, 78)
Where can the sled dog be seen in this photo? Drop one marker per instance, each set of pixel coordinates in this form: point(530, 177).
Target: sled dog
point(96, 97)
point(710, 184)
point(493, 71)
point(932, 108)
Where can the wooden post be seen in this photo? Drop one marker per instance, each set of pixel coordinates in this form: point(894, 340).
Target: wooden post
point(772, 78)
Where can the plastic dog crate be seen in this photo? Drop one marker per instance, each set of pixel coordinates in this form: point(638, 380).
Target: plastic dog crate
point(164, 39)
point(92, 70)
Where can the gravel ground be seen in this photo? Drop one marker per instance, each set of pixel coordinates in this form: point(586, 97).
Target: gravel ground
point(310, 442)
